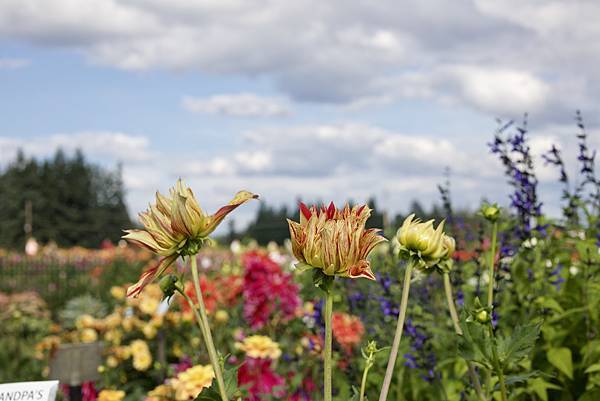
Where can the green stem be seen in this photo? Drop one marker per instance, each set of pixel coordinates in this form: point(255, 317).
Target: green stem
point(210, 345)
point(451, 306)
point(503, 393)
point(488, 383)
point(398, 336)
point(458, 330)
point(327, 396)
point(490, 299)
point(363, 383)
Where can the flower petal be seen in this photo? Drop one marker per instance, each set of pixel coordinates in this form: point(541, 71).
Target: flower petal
point(305, 213)
point(149, 275)
point(213, 221)
point(143, 239)
point(361, 269)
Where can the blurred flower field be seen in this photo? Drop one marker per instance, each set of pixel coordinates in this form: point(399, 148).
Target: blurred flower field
point(504, 305)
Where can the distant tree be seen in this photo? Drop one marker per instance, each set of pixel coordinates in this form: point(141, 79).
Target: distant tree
point(73, 202)
point(270, 224)
point(376, 220)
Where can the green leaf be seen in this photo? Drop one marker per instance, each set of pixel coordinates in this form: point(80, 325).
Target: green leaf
point(322, 280)
point(592, 395)
point(230, 377)
point(475, 345)
point(520, 378)
point(593, 368)
point(549, 303)
point(519, 344)
point(562, 359)
point(231, 387)
point(355, 394)
point(541, 387)
point(209, 393)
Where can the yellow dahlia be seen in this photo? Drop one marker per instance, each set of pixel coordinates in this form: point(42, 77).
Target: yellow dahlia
point(259, 347)
point(174, 226)
point(111, 395)
point(421, 240)
point(189, 383)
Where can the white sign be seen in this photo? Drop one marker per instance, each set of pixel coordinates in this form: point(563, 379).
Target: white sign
point(29, 391)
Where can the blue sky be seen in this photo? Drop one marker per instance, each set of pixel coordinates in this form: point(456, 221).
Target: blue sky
point(320, 100)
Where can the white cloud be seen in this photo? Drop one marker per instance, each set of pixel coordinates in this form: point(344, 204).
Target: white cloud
point(13, 63)
point(73, 22)
point(111, 146)
point(504, 91)
point(484, 54)
point(238, 105)
point(325, 150)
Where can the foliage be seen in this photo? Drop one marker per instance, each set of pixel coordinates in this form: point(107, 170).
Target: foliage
point(82, 305)
point(24, 321)
point(73, 202)
point(61, 274)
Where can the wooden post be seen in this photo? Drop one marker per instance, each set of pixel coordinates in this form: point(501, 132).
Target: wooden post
point(28, 226)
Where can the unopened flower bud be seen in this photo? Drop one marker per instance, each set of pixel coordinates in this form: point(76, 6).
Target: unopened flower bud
point(371, 347)
point(483, 316)
point(169, 284)
point(423, 241)
point(490, 212)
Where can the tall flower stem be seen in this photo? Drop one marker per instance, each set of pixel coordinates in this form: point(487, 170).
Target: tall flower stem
point(490, 295)
point(327, 395)
point(458, 330)
point(490, 298)
point(203, 321)
point(389, 372)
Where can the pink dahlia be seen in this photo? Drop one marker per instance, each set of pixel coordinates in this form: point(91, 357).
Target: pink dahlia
point(267, 291)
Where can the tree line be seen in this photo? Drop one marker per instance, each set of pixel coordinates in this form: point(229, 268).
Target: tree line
point(65, 199)
point(270, 222)
point(74, 202)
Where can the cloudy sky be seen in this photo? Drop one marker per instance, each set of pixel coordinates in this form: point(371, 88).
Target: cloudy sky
point(318, 99)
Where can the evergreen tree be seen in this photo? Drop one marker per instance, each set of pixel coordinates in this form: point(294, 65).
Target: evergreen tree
point(73, 202)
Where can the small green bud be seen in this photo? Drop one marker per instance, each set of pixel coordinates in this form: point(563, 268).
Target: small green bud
point(490, 212)
point(478, 313)
point(371, 347)
point(169, 284)
point(483, 316)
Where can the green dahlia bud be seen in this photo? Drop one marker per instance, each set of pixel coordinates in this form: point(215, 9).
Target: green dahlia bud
point(371, 347)
point(169, 284)
point(490, 212)
point(483, 316)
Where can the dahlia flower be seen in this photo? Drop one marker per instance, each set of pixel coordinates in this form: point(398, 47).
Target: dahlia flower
point(176, 226)
point(259, 347)
point(347, 330)
point(267, 290)
point(111, 395)
point(260, 379)
point(422, 241)
point(189, 383)
point(334, 240)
